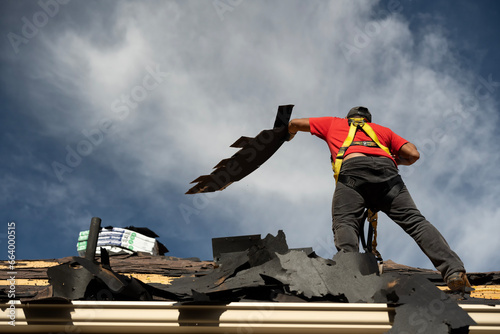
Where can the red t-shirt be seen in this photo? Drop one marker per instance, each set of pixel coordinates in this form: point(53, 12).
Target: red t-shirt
point(334, 131)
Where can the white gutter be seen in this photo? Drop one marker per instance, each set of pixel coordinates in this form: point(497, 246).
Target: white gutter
point(169, 317)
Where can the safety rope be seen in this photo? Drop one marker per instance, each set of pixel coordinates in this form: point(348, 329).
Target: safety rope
point(373, 219)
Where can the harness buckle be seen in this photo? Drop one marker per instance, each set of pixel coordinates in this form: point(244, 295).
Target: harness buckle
point(358, 122)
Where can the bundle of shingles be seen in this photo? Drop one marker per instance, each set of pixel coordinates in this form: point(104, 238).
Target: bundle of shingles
point(127, 240)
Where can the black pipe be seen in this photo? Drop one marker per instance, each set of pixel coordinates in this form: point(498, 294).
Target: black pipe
point(95, 227)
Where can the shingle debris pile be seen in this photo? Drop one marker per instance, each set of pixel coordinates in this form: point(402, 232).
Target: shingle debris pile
point(268, 271)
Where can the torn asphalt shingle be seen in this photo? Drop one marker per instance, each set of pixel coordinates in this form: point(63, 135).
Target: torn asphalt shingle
point(267, 249)
point(235, 267)
point(316, 277)
point(253, 153)
point(423, 308)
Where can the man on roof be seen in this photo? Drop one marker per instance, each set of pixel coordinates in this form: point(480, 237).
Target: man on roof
point(365, 157)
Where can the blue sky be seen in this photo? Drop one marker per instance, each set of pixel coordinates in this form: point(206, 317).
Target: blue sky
point(111, 109)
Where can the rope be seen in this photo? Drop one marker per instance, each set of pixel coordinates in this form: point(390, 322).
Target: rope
point(372, 219)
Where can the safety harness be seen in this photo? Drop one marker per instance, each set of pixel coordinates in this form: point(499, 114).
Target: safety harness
point(388, 190)
point(356, 124)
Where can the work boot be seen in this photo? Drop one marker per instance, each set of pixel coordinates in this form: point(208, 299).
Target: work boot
point(458, 282)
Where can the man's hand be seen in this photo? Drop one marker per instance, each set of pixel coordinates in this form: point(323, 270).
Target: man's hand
point(298, 124)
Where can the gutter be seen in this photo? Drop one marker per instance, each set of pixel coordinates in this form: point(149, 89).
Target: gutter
point(240, 317)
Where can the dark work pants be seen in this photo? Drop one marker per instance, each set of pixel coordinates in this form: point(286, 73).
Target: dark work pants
point(348, 207)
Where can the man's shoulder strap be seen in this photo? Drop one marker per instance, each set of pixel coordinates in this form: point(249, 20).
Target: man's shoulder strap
point(354, 125)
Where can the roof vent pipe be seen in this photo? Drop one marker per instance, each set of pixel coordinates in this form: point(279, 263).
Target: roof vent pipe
point(95, 227)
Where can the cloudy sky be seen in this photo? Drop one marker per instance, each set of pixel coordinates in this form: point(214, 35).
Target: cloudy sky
point(111, 109)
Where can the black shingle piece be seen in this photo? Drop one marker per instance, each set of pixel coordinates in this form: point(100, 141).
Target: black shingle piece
point(253, 153)
point(423, 308)
point(237, 270)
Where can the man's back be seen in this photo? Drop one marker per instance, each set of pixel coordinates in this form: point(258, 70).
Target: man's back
point(334, 131)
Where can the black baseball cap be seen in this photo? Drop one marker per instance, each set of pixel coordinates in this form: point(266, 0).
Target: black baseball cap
point(361, 112)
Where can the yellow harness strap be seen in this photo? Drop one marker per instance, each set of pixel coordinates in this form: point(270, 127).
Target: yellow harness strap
point(355, 125)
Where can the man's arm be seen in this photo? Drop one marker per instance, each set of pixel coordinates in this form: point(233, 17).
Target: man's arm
point(407, 155)
point(298, 124)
